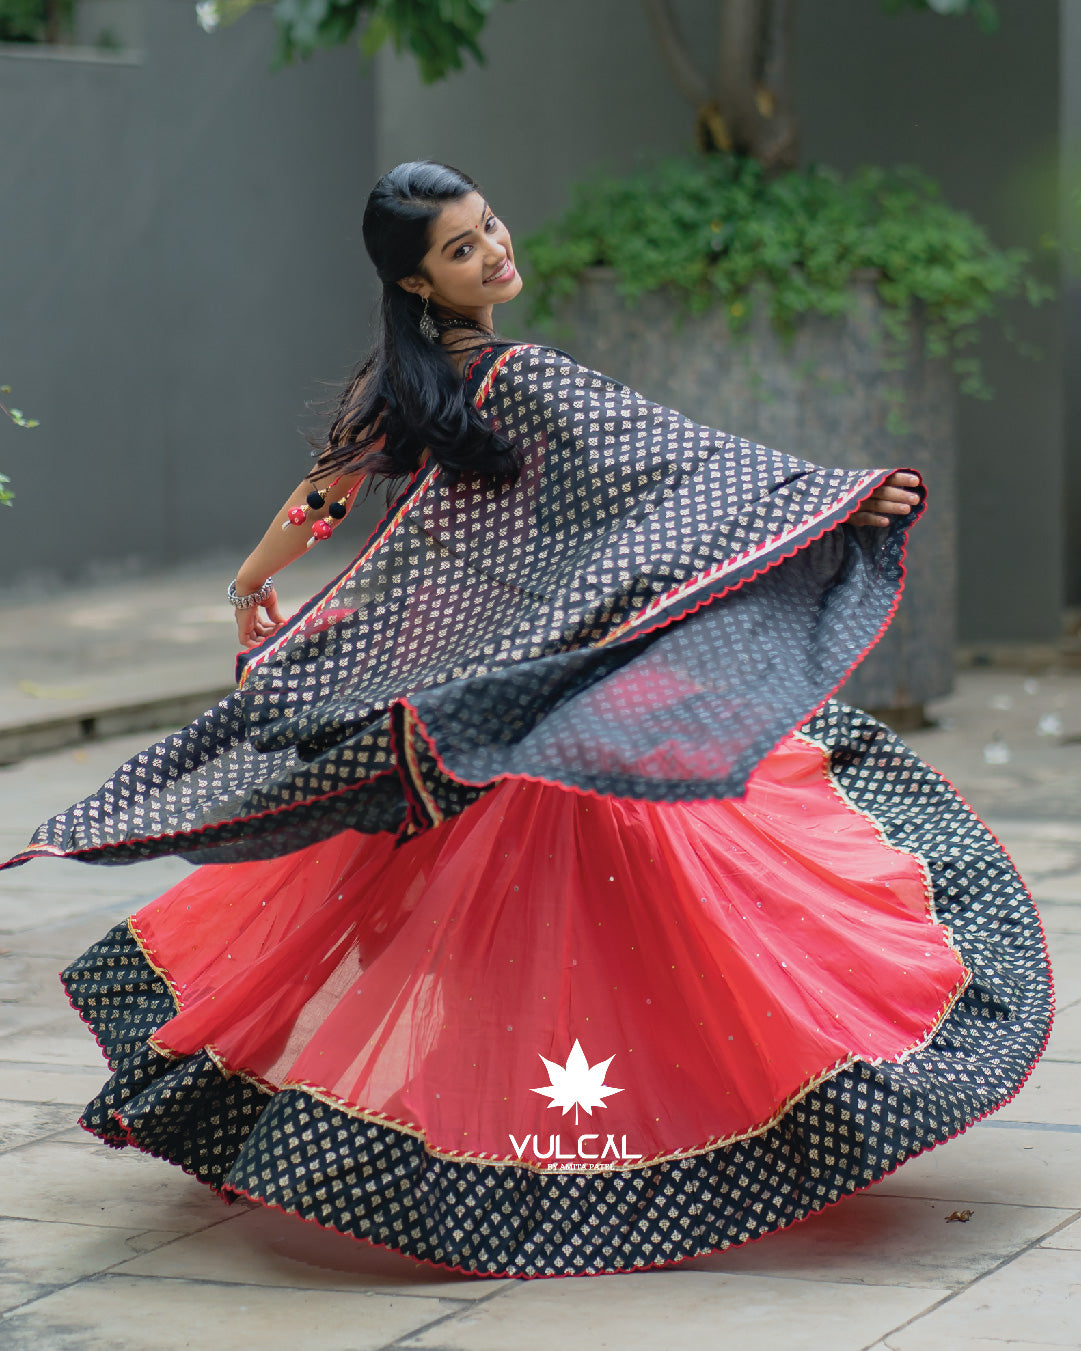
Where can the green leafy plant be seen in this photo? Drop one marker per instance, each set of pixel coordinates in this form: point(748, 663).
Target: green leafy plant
point(20, 420)
point(439, 33)
point(35, 20)
point(720, 230)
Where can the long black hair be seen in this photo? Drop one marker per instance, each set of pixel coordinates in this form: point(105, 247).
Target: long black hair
point(408, 389)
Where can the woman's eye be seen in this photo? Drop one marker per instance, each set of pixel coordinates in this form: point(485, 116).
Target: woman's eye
point(463, 249)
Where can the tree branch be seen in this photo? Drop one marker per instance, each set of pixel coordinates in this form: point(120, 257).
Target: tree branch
point(688, 79)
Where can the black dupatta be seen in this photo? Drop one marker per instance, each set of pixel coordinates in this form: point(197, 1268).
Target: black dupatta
point(644, 614)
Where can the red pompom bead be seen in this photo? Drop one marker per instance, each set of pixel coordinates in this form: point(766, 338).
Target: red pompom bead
point(297, 515)
point(322, 530)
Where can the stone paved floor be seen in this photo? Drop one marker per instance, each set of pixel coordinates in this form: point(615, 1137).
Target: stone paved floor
point(111, 1249)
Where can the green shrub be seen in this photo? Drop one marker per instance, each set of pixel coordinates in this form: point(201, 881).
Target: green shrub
point(718, 231)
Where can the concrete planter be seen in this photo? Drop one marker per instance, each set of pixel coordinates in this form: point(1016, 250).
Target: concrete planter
point(827, 398)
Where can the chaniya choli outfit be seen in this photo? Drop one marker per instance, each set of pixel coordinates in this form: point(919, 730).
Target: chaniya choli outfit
point(551, 917)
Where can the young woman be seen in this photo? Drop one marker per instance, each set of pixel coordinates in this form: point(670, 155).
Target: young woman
point(551, 916)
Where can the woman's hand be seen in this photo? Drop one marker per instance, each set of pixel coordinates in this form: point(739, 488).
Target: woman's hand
point(255, 625)
point(282, 543)
point(891, 498)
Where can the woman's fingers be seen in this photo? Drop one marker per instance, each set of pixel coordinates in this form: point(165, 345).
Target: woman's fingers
point(871, 513)
point(248, 627)
point(260, 626)
point(891, 498)
point(889, 494)
point(887, 505)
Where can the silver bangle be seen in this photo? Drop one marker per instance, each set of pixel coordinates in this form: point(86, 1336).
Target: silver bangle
point(253, 597)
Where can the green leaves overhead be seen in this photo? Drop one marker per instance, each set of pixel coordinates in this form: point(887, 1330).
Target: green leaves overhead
point(438, 33)
point(718, 231)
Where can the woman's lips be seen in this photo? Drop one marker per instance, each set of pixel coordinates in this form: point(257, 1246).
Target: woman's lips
point(504, 274)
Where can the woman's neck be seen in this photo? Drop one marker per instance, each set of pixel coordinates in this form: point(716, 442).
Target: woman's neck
point(480, 317)
point(460, 335)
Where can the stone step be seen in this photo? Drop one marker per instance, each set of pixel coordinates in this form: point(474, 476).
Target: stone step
point(94, 721)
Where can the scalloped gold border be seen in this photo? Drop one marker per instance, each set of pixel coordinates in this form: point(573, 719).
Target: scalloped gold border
point(718, 1142)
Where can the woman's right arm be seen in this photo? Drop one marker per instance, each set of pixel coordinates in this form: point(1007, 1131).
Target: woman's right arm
point(276, 550)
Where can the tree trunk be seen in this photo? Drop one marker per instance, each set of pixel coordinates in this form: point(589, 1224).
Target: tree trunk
point(754, 65)
point(749, 107)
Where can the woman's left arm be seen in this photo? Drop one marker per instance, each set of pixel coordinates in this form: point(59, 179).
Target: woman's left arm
point(892, 498)
point(276, 550)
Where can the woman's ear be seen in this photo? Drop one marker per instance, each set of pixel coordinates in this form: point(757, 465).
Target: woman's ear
point(417, 285)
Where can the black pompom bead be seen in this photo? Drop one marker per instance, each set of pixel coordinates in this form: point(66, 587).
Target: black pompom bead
point(337, 510)
point(315, 499)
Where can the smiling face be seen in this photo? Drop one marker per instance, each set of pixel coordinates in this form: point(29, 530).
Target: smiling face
point(469, 266)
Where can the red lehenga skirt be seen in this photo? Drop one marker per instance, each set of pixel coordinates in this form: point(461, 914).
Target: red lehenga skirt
point(562, 1033)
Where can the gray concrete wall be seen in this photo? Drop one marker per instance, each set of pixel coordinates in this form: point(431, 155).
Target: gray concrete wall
point(1071, 233)
point(981, 114)
point(571, 89)
point(183, 266)
point(183, 262)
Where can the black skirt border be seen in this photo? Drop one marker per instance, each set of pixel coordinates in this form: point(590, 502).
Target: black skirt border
point(296, 1152)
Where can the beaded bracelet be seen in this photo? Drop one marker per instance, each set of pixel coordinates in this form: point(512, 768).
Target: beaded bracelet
point(253, 597)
